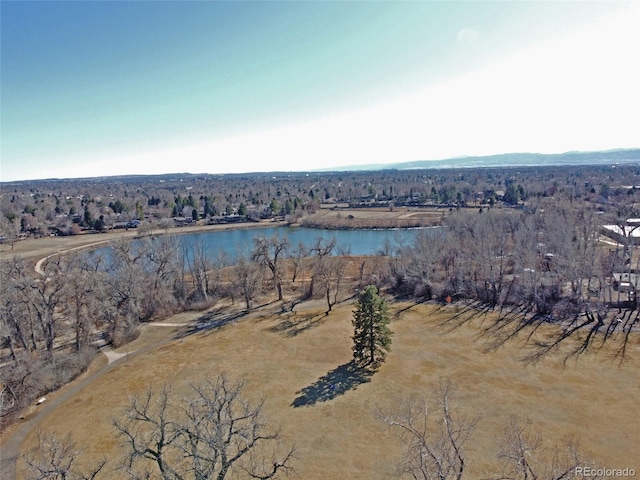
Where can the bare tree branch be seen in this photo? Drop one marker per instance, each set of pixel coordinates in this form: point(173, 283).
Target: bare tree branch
point(210, 434)
point(435, 438)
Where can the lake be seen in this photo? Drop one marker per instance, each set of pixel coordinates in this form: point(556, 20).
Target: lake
point(354, 242)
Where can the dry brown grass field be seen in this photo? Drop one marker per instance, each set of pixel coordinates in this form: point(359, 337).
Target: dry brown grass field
point(397, 217)
point(594, 399)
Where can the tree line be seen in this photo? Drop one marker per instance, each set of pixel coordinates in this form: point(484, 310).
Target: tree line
point(70, 206)
point(51, 323)
point(545, 263)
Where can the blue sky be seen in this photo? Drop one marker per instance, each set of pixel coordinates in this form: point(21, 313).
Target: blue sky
point(111, 88)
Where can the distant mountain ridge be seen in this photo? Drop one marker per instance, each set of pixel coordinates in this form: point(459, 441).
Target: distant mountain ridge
point(605, 157)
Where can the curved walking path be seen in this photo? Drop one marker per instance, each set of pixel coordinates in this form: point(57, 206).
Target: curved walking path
point(39, 263)
point(111, 355)
point(82, 242)
point(11, 447)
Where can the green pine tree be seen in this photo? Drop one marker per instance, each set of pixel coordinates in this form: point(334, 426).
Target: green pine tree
point(372, 336)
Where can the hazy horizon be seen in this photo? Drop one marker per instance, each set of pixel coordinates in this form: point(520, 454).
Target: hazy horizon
point(117, 88)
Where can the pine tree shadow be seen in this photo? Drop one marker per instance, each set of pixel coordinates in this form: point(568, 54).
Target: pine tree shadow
point(337, 382)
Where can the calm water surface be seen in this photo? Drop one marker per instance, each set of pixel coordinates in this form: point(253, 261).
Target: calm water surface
point(354, 242)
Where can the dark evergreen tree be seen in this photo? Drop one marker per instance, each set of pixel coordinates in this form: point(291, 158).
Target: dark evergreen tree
point(209, 209)
point(88, 218)
point(372, 336)
point(98, 225)
point(512, 195)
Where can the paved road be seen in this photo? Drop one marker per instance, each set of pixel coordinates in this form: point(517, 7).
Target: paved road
point(11, 448)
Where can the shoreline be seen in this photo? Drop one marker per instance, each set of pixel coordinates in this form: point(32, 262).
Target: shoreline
point(35, 249)
point(347, 229)
point(41, 249)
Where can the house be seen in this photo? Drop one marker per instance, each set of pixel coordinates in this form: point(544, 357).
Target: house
point(630, 232)
point(626, 282)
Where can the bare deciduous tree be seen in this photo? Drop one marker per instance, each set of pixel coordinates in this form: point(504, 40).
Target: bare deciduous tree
point(9, 228)
point(16, 323)
point(320, 250)
point(525, 456)
point(329, 273)
point(162, 259)
point(297, 255)
point(150, 435)
point(44, 296)
point(84, 284)
point(54, 458)
point(247, 279)
point(127, 287)
point(199, 266)
point(414, 266)
point(267, 252)
point(435, 435)
point(215, 433)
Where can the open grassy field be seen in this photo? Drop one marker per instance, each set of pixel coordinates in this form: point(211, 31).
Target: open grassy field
point(290, 359)
point(396, 217)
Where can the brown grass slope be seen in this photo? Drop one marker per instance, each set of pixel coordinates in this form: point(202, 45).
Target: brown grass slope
point(294, 359)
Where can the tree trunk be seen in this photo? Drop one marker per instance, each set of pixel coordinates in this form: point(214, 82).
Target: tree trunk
point(372, 342)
